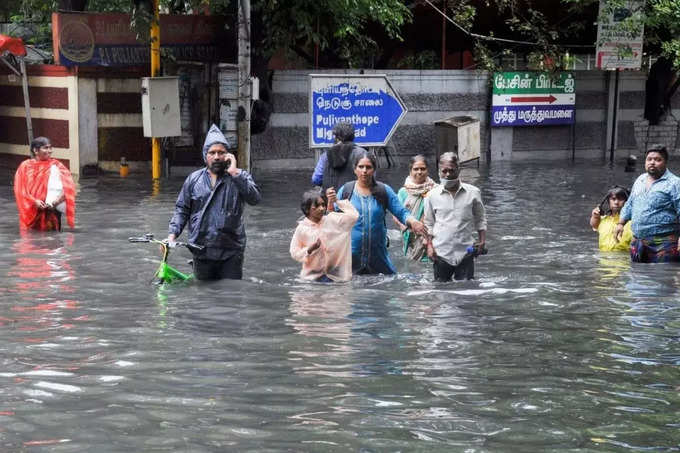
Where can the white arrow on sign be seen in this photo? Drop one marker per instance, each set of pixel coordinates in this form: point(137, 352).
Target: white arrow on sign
point(367, 101)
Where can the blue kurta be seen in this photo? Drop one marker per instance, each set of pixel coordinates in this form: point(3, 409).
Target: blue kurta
point(369, 235)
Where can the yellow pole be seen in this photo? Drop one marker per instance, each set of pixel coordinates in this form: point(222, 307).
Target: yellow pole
point(155, 72)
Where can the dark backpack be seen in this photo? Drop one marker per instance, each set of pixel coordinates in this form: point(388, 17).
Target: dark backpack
point(378, 191)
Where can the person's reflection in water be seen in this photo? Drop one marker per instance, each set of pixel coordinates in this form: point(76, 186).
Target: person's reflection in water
point(354, 338)
point(41, 283)
point(325, 315)
point(611, 266)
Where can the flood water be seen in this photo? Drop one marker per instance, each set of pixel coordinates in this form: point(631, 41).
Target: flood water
point(554, 347)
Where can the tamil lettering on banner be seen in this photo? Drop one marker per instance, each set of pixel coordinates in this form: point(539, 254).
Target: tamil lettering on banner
point(90, 39)
point(533, 99)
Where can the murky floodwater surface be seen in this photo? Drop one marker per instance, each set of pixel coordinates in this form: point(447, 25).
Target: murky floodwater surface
point(554, 347)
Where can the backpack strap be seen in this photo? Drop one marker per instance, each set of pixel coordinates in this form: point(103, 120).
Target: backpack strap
point(379, 192)
point(347, 190)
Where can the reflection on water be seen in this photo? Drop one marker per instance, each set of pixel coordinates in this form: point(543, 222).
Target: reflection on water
point(555, 347)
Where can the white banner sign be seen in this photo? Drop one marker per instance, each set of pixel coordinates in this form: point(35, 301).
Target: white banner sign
point(619, 35)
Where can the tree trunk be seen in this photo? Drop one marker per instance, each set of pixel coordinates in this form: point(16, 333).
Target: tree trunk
point(659, 88)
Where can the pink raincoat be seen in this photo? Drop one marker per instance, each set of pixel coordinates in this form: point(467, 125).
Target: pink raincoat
point(334, 258)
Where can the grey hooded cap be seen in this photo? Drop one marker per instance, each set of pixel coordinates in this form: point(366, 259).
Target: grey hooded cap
point(214, 135)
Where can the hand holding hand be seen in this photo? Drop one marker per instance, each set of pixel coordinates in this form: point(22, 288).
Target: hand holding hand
point(618, 232)
point(418, 227)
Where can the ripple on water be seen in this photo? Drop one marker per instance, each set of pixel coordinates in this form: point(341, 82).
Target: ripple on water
point(555, 346)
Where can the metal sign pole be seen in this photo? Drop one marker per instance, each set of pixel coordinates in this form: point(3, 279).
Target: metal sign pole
point(155, 72)
point(616, 108)
point(244, 93)
point(27, 102)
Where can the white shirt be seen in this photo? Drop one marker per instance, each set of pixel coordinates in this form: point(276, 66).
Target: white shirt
point(55, 189)
point(452, 220)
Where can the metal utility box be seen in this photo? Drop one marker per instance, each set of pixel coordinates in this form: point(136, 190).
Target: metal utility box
point(228, 88)
point(458, 134)
point(160, 107)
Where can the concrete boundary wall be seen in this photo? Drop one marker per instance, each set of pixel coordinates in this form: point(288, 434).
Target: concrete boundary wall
point(433, 95)
point(53, 94)
point(428, 95)
point(93, 117)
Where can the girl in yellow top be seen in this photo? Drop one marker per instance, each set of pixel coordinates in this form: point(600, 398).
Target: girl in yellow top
point(604, 218)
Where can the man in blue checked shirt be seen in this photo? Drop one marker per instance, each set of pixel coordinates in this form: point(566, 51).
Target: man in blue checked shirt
point(654, 208)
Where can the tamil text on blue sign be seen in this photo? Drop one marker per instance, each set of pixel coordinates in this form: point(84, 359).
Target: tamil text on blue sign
point(368, 102)
point(533, 99)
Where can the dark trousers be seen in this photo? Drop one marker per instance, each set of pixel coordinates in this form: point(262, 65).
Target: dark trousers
point(231, 268)
point(443, 271)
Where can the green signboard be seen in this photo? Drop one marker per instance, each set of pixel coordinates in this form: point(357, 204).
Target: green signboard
point(533, 99)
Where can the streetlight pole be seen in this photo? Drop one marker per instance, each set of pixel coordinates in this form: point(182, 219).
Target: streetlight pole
point(244, 87)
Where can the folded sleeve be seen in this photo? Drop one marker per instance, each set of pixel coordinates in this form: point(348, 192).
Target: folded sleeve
point(395, 206)
point(479, 212)
point(349, 214)
point(298, 251)
point(317, 176)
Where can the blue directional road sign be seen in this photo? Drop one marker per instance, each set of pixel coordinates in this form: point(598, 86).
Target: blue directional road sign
point(367, 101)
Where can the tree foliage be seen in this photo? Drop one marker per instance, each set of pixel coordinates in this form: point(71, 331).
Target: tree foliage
point(344, 30)
point(552, 27)
point(337, 27)
point(663, 28)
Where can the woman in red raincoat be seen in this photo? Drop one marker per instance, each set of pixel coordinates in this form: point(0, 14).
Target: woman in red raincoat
point(44, 190)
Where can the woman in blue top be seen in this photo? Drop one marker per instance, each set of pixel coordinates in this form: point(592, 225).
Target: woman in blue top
point(372, 199)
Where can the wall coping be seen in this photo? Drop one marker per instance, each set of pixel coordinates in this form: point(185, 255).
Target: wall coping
point(48, 70)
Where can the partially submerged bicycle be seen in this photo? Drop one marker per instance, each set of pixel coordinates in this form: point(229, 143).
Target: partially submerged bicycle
point(165, 272)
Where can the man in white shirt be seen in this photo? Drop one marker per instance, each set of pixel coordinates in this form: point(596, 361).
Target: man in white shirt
point(453, 212)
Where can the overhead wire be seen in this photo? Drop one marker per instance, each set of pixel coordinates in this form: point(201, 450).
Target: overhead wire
point(494, 38)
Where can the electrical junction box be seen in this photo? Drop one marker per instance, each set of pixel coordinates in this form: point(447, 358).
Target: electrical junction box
point(458, 134)
point(160, 107)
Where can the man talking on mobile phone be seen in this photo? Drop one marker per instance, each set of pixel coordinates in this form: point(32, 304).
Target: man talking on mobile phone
point(211, 204)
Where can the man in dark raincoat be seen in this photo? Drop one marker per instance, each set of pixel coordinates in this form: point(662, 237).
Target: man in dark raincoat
point(211, 203)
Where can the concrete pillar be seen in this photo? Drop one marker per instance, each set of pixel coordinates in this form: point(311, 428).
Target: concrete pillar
point(87, 123)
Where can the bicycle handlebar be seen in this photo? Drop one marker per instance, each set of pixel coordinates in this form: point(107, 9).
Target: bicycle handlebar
point(148, 237)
